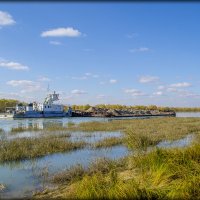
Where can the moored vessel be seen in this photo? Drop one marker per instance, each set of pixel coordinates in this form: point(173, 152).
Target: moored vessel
point(42, 110)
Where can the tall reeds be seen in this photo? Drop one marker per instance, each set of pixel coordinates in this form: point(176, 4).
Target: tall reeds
point(27, 148)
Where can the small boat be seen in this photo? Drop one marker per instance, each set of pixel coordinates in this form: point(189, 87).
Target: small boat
point(42, 110)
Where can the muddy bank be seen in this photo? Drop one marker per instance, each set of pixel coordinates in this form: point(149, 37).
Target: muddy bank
point(102, 112)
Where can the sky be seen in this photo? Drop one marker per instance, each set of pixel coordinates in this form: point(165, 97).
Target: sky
point(101, 53)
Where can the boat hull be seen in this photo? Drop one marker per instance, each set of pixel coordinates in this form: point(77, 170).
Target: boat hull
point(41, 115)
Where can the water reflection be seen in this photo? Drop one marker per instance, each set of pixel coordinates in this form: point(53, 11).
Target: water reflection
point(8, 124)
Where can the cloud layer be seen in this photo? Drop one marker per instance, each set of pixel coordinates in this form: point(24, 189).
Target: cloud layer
point(61, 32)
point(141, 49)
point(25, 85)
point(78, 92)
point(6, 19)
point(13, 65)
point(148, 79)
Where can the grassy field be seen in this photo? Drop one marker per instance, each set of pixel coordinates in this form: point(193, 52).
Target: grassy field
point(160, 174)
point(108, 142)
point(140, 133)
point(27, 148)
point(51, 127)
point(156, 174)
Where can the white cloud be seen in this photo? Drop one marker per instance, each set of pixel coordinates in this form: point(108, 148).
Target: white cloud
point(158, 93)
point(113, 81)
point(6, 19)
point(25, 85)
point(148, 79)
point(101, 96)
point(178, 88)
point(134, 92)
point(88, 74)
point(44, 78)
point(57, 43)
point(61, 32)
point(141, 49)
point(80, 78)
point(171, 89)
point(181, 85)
point(78, 92)
point(130, 90)
point(92, 75)
point(17, 96)
point(161, 87)
point(13, 65)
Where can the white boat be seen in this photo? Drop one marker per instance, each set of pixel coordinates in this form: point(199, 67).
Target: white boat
point(42, 110)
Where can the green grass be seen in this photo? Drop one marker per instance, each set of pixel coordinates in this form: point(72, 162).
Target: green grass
point(156, 174)
point(162, 174)
point(77, 172)
point(150, 132)
point(23, 129)
point(55, 127)
point(51, 127)
point(98, 126)
point(141, 133)
point(70, 124)
point(27, 148)
point(108, 142)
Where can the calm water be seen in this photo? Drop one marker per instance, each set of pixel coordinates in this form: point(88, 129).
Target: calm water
point(21, 178)
point(7, 124)
point(188, 114)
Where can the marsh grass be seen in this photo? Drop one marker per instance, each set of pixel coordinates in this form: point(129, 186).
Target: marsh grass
point(150, 132)
point(57, 134)
point(23, 129)
point(161, 174)
point(28, 148)
point(157, 174)
point(70, 124)
point(107, 142)
point(141, 133)
point(55, 127)
point(77, 172)
point(70, 175)
point(49, 128)
point(98, 126)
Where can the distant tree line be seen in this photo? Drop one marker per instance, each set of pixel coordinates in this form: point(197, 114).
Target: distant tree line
point(137, 107)
point(12, 102)
point(7, 103)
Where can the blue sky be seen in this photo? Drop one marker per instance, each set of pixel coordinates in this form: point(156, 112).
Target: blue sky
point(126, 53)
